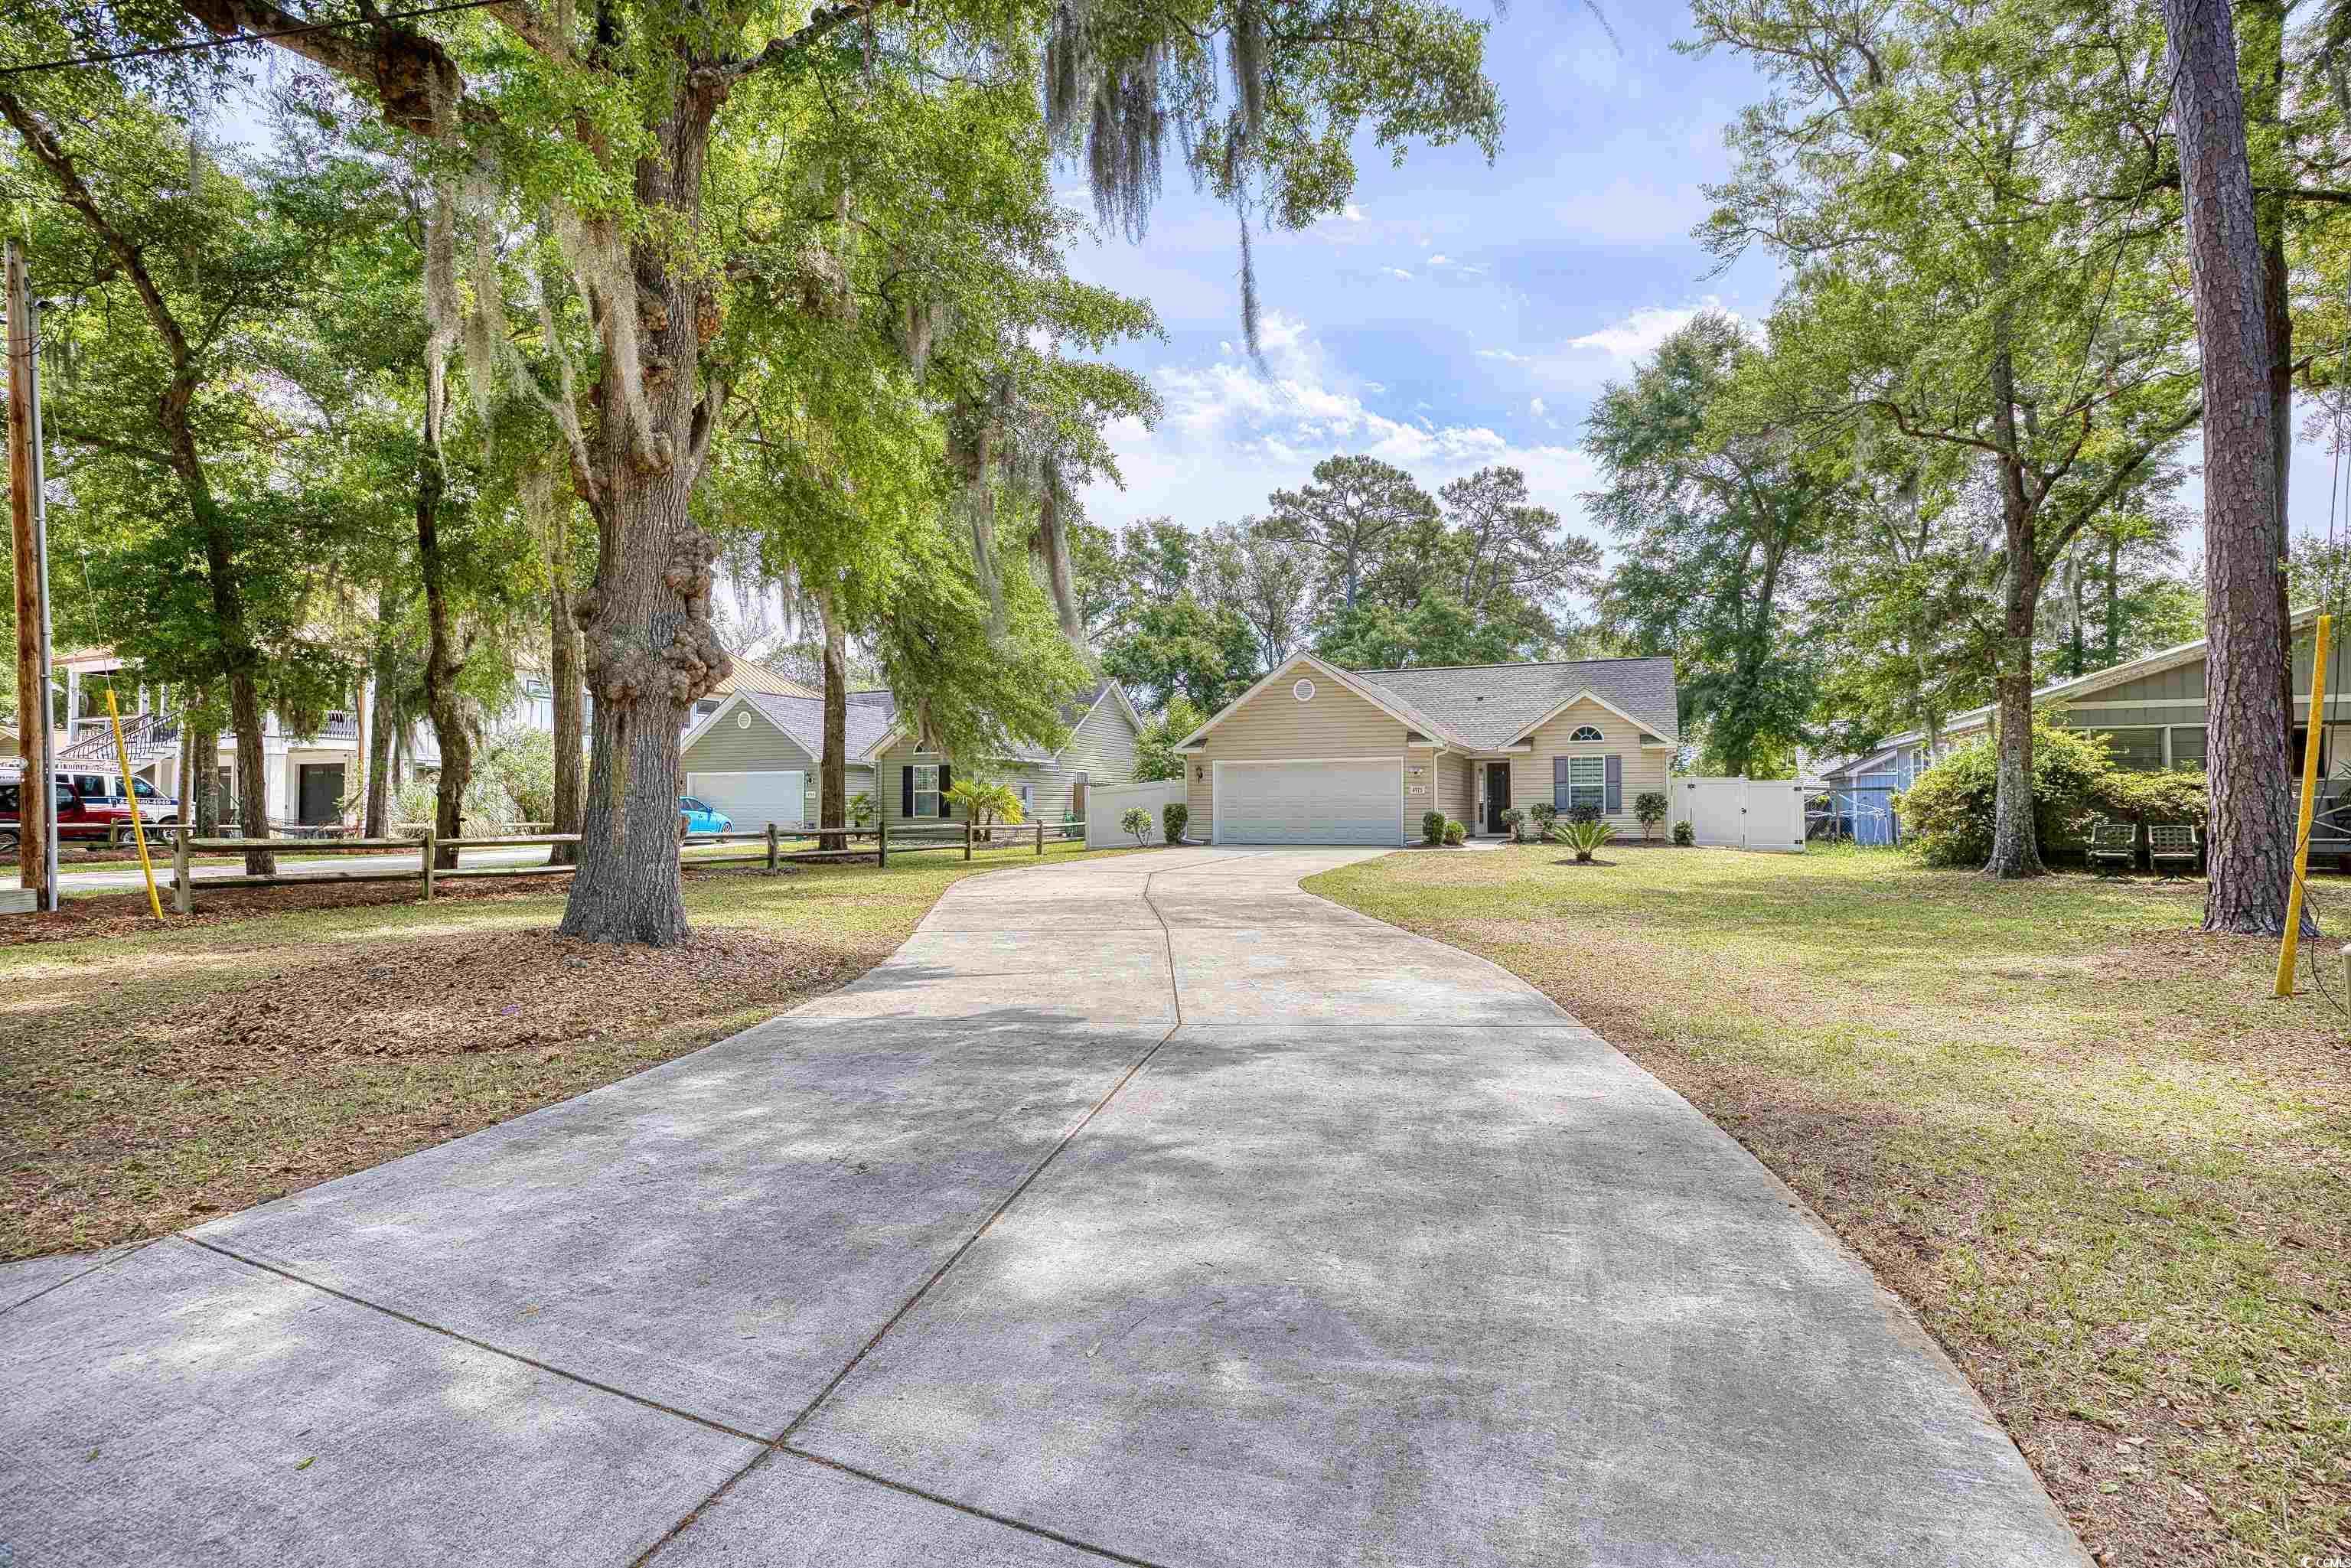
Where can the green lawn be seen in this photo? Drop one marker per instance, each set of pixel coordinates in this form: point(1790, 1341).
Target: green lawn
point(157, 1076)
point(2109, 1170)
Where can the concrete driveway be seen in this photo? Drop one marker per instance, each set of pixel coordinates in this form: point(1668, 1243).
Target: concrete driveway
point(1143, 1210)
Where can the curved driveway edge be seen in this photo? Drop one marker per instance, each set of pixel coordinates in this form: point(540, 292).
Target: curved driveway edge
point(1146, 1210)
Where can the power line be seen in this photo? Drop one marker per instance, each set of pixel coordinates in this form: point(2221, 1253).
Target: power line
point(246, 39)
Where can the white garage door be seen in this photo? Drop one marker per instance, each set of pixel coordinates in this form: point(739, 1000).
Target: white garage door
point(1352, 802)
point(754, 799)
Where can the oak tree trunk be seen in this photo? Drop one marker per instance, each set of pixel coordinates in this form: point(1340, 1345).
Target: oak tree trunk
point(2249, 715)
point(206, 799)
point(442, 665)
point(832, 782)
point(647, 643)
point(563, 676)
point(245, 716)
point(2015, 839)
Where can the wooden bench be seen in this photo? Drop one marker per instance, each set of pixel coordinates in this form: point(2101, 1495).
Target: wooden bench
point(2177, 845)
point(2113, 843)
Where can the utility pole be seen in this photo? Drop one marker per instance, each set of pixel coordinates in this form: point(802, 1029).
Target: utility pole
point(36, 791)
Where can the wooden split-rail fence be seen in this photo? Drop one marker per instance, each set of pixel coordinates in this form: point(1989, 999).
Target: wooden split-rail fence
point(771, 852)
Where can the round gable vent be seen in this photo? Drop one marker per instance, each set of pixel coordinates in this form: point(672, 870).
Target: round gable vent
point(1303, 691)
point(742, 719)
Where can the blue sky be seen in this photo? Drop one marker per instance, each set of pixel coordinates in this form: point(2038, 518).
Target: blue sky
point(1461, 314)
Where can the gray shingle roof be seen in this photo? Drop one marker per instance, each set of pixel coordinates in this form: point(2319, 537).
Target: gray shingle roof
point(802, 718)
point(1489, 705)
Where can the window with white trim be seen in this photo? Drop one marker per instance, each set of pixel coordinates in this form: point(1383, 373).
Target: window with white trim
point(1587, 782)
point(927, 789)
point(1587, 732)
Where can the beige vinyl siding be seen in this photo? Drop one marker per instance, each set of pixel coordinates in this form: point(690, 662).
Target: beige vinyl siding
point(1531, 775)
point(1456, 796)
point(889, 782)
point(1273, 725)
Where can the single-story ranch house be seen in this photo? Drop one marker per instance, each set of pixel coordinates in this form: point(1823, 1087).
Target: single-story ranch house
point(1317, 755)
point(1100, 749)
point(757, 756)
point(2153, 707)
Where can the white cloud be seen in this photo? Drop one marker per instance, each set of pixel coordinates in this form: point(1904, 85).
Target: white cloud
point(1504, 355)
point(1397, 272)
point(1535, 407)
point(1352, 213)
point(1638, 335)
point(1440, 261)
point(1232, 433)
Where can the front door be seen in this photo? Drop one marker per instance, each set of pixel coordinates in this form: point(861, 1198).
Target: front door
point(1498, 796)
point(322, 793)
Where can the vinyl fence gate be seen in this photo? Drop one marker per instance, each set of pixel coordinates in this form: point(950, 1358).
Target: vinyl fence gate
point(1742, 813)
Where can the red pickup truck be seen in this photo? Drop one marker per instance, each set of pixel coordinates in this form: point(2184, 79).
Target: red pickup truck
point(89, 806)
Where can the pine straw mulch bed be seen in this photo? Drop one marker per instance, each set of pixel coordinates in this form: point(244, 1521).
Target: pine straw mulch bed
point(2110, 1173)
point(125, 1121)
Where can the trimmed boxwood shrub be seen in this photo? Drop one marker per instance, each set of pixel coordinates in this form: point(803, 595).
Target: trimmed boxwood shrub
point(1683, 834)
point(1544, 814)
point(1455, 833)
point(1174, 818)
point(1432, 827)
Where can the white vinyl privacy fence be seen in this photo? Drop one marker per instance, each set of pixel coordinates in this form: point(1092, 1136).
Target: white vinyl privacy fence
point(1106, 803)
point(1742, 813)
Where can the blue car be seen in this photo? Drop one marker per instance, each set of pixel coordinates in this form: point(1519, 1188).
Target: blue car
point(700, 819)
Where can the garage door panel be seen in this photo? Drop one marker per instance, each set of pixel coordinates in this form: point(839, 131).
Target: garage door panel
point(1309, 803)
point(754, 799)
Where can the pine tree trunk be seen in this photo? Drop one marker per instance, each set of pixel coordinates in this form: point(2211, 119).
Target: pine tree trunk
point(832, 784)
point(563, 676)
point(2249, 715)
point(187, 811)
point(441, 666)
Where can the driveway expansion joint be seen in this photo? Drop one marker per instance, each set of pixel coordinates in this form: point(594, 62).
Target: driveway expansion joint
point(414, 1322)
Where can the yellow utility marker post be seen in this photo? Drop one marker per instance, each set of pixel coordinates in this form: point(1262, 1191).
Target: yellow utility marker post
point(130, 793)
point(2309, 801)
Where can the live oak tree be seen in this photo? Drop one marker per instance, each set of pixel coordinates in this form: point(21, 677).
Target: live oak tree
point(1957, 283)
point(610, 122)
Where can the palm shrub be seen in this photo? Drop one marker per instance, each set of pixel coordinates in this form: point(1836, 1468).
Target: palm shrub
point(985, 800)
point(1432, 827)
point(1455, 833)
point(860, 809)
point(1174, 818)
point(1583, 836)
point(1137, 821)
point(1947, 814)
point(1649, 810)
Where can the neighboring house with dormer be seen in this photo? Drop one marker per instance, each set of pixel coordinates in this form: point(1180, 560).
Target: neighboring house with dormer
point(1100, 749)
point(757, 756)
